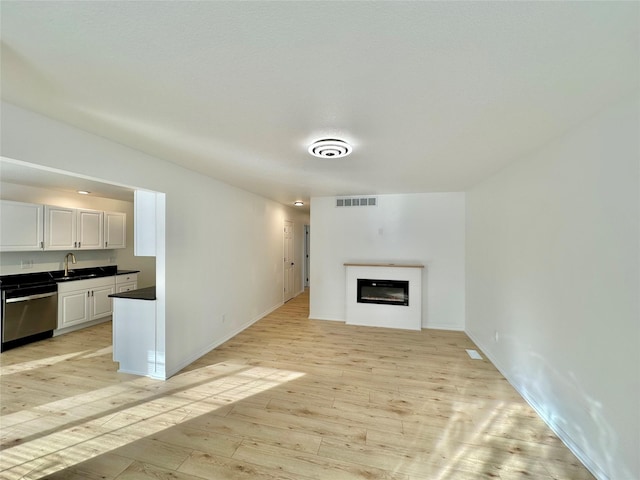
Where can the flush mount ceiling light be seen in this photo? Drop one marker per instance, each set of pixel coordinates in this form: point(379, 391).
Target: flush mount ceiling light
point(330, 148)
point(83, 192)
point(298, 203)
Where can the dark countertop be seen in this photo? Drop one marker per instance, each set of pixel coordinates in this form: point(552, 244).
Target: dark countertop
point(148, 293)
point(58, 276)
point(92, 272)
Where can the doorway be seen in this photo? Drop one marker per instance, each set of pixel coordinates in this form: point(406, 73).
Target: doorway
point(289, 264)
point(307, 250)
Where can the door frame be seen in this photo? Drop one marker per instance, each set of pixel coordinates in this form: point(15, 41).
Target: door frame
point(289, 279)
point(307, 255)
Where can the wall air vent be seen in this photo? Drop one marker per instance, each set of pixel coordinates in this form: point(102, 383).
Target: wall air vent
point(356, 201)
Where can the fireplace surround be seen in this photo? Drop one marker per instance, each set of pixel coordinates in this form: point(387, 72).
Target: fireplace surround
point(387, 303)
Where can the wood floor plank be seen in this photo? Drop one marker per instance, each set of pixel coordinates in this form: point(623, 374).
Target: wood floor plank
point(310, 466)
point(289, 398)
point(207, 466)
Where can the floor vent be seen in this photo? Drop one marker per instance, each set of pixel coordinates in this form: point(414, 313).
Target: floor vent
point(356, 201)
point(474, 354)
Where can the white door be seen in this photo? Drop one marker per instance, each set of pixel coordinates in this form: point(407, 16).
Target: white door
point(307, 250)
point(289, 266)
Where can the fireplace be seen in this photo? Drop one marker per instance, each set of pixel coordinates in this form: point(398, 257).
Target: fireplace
point(377, 295)
point(383, 292)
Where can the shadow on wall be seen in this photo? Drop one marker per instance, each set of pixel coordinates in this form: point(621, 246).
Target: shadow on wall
point(542, 382)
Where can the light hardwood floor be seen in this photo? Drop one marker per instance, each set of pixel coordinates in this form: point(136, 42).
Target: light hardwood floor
point(289, 398)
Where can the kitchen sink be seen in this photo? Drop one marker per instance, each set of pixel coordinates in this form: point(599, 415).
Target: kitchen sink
point(77, 276)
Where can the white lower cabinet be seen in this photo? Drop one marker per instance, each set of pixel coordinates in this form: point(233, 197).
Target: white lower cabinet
point(100, 303)
point(81, 301)
point(126, 282)
point(73, 307)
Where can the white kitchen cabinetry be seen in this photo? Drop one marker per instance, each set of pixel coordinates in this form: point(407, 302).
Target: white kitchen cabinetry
point(81, 301)
point(90, 229)
point(60, 228)
point(72, 229)
point(115, 230)
point(126, 282)
point(20, 226)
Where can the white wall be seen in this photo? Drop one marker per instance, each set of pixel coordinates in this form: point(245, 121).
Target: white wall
point(427, 229)
point(11, 262)
point(553, 267)
point(224, 246)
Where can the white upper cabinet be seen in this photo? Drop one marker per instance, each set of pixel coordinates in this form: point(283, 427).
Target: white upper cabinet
point(90, 231)
point(60, 228)
point(115, 230)
point(72, 229)
point(29, 227)
point(20, 226)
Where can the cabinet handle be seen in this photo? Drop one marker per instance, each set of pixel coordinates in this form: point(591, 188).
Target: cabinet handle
point(105, 244)
point(87, 293)
point(78, 244)
point(92, 293)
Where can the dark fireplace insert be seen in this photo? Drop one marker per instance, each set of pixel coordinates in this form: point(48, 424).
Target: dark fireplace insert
point(385, 292)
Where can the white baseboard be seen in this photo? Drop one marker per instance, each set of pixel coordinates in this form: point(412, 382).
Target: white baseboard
point(592, 466)
point(80, 326)
point(217, 343)
point(443, 326)
point(319, 317)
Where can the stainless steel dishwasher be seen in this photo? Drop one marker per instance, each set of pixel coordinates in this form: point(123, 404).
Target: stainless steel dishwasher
point(29, 308)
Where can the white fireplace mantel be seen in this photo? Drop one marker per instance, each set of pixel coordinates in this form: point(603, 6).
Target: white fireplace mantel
point(389, 316)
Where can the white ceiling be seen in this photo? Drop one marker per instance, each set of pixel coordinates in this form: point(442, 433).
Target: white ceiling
point(434, 96)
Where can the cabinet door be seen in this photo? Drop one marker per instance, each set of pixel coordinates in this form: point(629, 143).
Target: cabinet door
point(21, 226)
point(59, 228)
point(115, 230)
point(101, 305)
point(90, 230)
point(73, 308)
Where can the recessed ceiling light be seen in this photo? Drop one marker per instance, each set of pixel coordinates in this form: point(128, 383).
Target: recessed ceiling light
point(330, 148)
point(298, 203)
point(83, 192)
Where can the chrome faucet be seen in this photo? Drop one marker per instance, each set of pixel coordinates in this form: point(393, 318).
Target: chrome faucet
point(66, 263)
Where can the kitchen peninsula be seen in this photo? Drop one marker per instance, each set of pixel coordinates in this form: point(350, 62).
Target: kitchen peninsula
point(135, 333)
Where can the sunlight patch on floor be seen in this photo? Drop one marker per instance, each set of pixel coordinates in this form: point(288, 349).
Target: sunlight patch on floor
point(41, 362)
point(103, 420)
point(97, 353)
